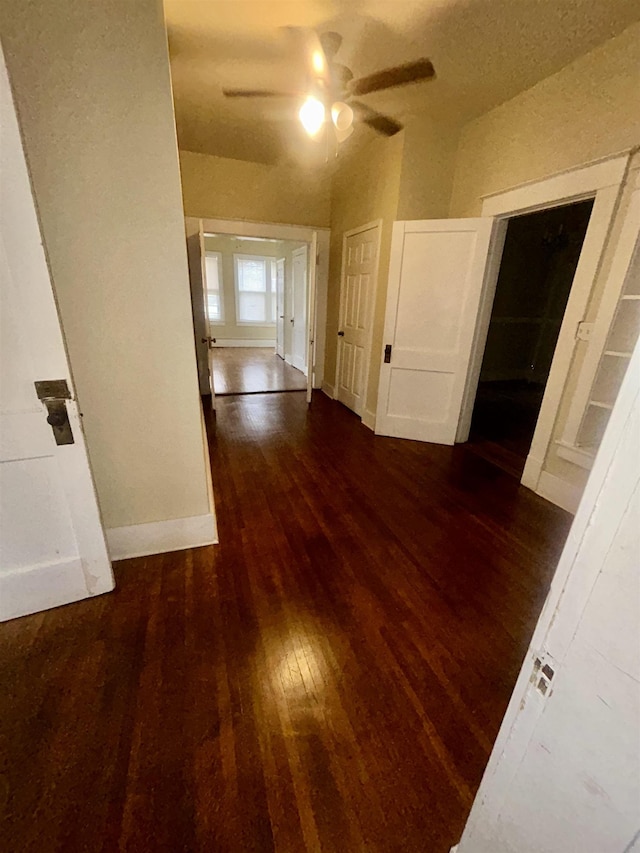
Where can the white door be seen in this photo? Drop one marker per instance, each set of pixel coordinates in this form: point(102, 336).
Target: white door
point(357, 289)
point(212, 291)
point(298, 317)
point(310, 356)
point(568, 748)
point(52, 546)
point(436, 275)
point(280, 274)
point(193, 229)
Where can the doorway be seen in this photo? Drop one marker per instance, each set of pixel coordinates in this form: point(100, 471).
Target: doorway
point(256, 310)
point(537, 268)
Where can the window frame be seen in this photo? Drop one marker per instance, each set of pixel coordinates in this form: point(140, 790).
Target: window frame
point(269, 292)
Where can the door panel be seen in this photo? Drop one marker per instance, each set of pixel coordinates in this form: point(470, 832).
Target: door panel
point(435, 282)
point(299, 312)
point(280, 318)
point(52, 546)
point(356, 309)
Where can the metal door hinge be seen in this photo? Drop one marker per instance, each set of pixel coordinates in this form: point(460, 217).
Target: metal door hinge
point(584, 331)
point(387, 354)
point(544, 669)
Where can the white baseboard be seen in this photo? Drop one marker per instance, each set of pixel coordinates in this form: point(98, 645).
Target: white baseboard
point(156, 537)
point(454, 849)
point(39, 588)
point(559, 491)
point(369, 419)
point(329, 390)
point(244, 342)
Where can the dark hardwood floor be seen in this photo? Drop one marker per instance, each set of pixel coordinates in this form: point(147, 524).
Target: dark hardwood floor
point(331, 677)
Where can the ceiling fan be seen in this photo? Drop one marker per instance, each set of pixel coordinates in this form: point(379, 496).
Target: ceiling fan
point(330, 96)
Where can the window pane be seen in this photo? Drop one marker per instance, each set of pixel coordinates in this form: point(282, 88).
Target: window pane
point(211, 266)
point(213, 306)
point(251, 307)
point(252, 275)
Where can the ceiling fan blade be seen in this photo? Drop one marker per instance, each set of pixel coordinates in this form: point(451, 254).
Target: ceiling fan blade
point(377, 121)
point(258, 93)
point(412, 72)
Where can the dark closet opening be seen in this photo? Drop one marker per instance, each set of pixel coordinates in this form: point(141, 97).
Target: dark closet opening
point(539, 261)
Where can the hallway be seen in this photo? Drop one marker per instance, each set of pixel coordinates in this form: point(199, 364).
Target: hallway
point(330, 677)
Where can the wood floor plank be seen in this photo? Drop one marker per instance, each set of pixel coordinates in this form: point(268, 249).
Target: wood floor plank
point(331, 677)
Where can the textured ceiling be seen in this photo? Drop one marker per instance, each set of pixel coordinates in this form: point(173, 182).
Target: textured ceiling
point(484, 52)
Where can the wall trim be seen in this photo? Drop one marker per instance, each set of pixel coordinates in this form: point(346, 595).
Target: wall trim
point(244, 342)
point(157, 537)
point(26, 591)
point(559, 492)
point(329, 390)
point(369, 419)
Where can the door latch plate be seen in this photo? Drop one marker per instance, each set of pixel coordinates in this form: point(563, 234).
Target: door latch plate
point(52, 389)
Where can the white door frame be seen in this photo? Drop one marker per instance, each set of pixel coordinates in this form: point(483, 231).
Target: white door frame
point(601, 181)
point(376, 223)
point(302, 234)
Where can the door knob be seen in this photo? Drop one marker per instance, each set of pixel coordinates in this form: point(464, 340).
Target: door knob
point(341, 334)
point(291, 320)
point(57, 418)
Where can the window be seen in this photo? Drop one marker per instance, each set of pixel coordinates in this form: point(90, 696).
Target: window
point(255, 290)
point(213, 269)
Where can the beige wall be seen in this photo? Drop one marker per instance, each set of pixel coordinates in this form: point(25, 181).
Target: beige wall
point(588, 110)
point(428, 164)
point(364, 188)
point(93, 95)
point(219, 188)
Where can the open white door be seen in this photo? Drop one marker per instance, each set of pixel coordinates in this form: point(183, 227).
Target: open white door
point(436, 276)
point(310, 355)
point(280, 273)
point(210, 294)
point(52, 546)
point(299, 318)
point(360, 254)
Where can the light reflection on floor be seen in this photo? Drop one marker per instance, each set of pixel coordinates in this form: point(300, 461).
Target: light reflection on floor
point(250, 370)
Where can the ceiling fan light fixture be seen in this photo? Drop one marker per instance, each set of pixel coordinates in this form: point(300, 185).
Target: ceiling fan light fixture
point(317, 61)
point(342, 116)
point(312, 115)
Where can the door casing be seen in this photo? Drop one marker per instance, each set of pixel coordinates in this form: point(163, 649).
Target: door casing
point(602, 182)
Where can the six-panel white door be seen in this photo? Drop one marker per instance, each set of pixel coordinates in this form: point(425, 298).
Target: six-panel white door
point(356, 309)
point(52, 546)
point(436, 275)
